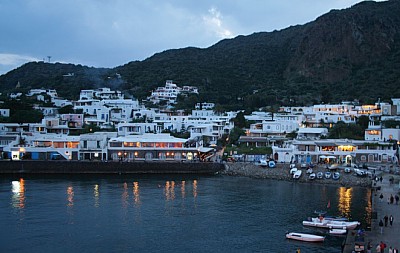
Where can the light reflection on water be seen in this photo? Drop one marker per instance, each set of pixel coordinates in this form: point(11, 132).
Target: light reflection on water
point(344, 203)
point(96, 195)
point(18, 194)
point(230, 214)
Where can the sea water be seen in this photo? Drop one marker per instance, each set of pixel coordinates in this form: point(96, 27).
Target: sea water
point(168, 213)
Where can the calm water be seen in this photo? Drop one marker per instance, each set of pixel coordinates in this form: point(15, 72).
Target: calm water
point(167, 214)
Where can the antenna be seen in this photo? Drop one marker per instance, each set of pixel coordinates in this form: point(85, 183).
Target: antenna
point(49, 57)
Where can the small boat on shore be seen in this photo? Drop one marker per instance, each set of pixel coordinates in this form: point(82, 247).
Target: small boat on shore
point(297, 174)
point(311, 176)
point(305, 237)
point(336, 176)
point(320, 175)
point(328, 175)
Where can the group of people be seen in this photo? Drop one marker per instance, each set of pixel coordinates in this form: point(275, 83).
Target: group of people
point(382, 246)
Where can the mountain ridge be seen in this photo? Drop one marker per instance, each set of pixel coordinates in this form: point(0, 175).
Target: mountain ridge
point(347, 54)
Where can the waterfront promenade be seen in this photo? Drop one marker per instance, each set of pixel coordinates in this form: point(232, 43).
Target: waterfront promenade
point(380, 208)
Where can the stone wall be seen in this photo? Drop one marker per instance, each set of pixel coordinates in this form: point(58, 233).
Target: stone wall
point(83, 167)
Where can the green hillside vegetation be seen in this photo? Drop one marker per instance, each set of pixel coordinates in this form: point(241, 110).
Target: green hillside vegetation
point(343, 55)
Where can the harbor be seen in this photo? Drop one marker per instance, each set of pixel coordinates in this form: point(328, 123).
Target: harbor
point(356, 240)
point(380, 208)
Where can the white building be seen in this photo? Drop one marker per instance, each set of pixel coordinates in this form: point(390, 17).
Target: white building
point(335, 151)
point(169, 93)
point(311, 133)
point(151, 147)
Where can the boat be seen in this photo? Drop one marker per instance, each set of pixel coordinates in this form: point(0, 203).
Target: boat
point(311, 176)
point(293, 170)
point(328, 175)
point(305, 237)
point(320, 175)
point(338, 231)
point(297, 174)
point(292, 165)
point(324, 223)
point(336, 175)
point(262, 163)
point(309, 171)
point(271, 164)
point(347, 170)
point(336, 218)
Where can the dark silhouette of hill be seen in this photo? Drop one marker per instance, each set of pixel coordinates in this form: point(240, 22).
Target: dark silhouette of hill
point(343, 55)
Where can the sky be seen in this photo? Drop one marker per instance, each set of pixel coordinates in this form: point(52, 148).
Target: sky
point(110, 33)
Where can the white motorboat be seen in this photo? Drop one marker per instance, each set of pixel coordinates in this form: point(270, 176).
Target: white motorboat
point(309, 171)
point(305, 237)
point(297, 174)
point(323, 223)
point(320, 175)
point(311, 176)
point(338, 231)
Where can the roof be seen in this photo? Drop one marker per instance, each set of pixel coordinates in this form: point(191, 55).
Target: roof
point(312, 130)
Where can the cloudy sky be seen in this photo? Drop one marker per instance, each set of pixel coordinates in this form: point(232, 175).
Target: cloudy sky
point(109, 33)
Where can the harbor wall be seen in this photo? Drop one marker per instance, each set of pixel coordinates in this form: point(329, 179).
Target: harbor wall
point(88, 167)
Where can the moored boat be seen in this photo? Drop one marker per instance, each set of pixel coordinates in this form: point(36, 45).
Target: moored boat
point(305, 237)
point(324, 223)
point(311, 176)
point(338, 231)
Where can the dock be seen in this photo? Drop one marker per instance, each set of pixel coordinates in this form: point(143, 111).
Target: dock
point(372, 236)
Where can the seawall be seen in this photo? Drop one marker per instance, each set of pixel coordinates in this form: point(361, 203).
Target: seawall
point(84, 167)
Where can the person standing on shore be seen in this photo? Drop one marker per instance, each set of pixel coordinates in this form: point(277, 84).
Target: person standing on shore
point(381, 197)
point(391, 220)
point(381, 225)
point(382, 246)
point(386, 218)
point(397, 199)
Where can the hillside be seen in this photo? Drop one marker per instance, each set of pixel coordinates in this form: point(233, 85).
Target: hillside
point(343, 55)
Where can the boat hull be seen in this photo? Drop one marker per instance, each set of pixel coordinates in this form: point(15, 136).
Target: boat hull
point(305, 237)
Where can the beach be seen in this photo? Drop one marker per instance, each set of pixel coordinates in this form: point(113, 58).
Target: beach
point(282, 172)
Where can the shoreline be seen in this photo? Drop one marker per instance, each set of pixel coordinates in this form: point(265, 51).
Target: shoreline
point(281, 172)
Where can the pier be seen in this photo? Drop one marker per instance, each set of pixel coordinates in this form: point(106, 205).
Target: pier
point(380, 208)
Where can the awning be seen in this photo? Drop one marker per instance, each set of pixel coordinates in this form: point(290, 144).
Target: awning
point(322, 156)
point(331, 157)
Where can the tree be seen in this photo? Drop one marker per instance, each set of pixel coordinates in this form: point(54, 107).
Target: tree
point(234, 135)
point(363, 121)
point(239, 120)
point(66, 109)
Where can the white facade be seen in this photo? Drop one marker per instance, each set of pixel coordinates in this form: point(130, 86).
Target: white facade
point(335, 151)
